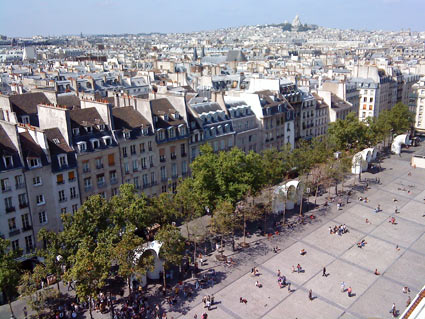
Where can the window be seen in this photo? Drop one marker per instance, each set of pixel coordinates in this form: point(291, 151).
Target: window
point(19, 181)
point(143, 162)
point(107, 140)
point(153, 178)
point(142, 147)
point(111, 159)
point(230, 142)
point(174, 170)
point(183, 150)
point(182, 130)
point(40, 199)
point(59, 179)
point(99, 163)
point(102, 194)
point(150, 146)
point(89, 129)
point(25, 221)
point(151, 160)
point(62, 159)
point(365, 99)
point(164, 188)
point(135, 165)
point(173, 152)
point(100, 180)
point(112, 177)
point(15, 245)
point(72, 192)
point(370, 107)
point(126, 168)
point(126, 135)
point(95, 143)
point(136, 182)
point(162, 154)
point(33, 162)
point(371, 100)
point(87, 183)
point(184, 167)
point(71, 176)
point(161, 135)
point(8, 161)
point(74, 208)
point(12, 224)
point(23, 201)
point(124, 152)
point(215, 147)
point(25, 119)
point(222, 144)
point(28, 243)
point(36, 181)
point(76, 131)
point(82, 146)
point(5, 186)
point(42, 217)
point(133, 149)
point(62, 197)
point(163, 173)
point(145, 180)
point(114, 191)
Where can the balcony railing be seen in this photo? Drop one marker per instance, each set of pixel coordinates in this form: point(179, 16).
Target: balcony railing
point(162, 159)
point(184, 154)
point(27, 228)
point(6, 189)
point(62, 199)
point(72, 180)
point(74, 196)
point(99, 166)
point(86, 169)
point(173, 156)
point(60, 182)
point(23, 205)
point(10, 209)
point(113, 181)
point(87, 188)
point(20, 185)
point(14, 232)
point(101, 184)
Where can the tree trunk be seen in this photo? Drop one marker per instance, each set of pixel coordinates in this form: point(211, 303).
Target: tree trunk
point(57, 284)
point(301, 206)
point(163, 277)
point(244, 228)
point(90, 309)
point(221, 246)
point(315, 195)
point(129, 285)
point(194, 253)
point(9, 301)
point(284, 210)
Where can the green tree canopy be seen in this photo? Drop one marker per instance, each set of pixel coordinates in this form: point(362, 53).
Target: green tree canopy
point(9, 271)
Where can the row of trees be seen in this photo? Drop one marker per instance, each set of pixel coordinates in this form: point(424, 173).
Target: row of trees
point(104, 233)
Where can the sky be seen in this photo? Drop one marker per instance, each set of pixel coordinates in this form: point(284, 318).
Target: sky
point(55, 17)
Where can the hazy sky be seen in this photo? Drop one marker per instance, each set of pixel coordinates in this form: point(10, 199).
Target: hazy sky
point(57, 17)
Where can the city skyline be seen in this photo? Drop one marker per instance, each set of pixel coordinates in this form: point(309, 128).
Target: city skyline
point(52, 18)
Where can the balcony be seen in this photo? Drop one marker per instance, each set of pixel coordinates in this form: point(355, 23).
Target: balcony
point(162, 159)
point(61, 182)
point(6, 189)
point(143, 166)
point(135, 169)
point(10, 209)
point(23, 205)
point(113, 181)
point(72, 180)
point(62, 199)
point(173, 156)
point(19, 186)
point(14, 232)
point(26, 228)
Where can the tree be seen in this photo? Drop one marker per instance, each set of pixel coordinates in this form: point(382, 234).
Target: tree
point(400, 118)
point(348, 133)
point(90, 268)
point(223, 221)
point(9, 272)
point(172, 248)
point(162, 208)
point(53, 253)
point(272, 166)
point(318, 177)
point(125, 255)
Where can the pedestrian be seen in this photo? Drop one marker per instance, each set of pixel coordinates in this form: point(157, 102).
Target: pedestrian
point(278, 272)
point(310, 295)
point(342, 286)
point(393, 309)
point(324, 272)
point(298, 268)
point(349, 290)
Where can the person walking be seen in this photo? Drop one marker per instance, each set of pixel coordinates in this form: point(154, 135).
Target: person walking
point(324, 272)
point(349, 290)
point(310, 295)
point(342, 286)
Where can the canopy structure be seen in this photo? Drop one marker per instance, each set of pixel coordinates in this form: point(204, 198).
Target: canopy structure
point(154, 248)
point(398, 142)
point(361, 160)
point(285, 196)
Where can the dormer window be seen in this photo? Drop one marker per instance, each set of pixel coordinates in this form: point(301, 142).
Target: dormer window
point(63, 160)
point(171, 132)
point(101, 127)
point(248, 111)
point(155, 118)
point(76, 131)
point(25, 119)
point(82, 146)
point(212, 131)
point(220, 129)
point(107, 140)
point(161, 135)
point(182, 130)
point(176, 115)
point(34, 162)
point(89, 129)
point(145, 131)
point(8, 161)
point(227, 128)
point(95, 143)
point(127, 135)
point(165, 117)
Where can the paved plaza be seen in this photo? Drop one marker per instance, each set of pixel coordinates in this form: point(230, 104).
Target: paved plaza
point(372, 295)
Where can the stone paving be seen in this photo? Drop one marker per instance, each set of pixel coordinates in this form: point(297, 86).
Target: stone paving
point(372, 295)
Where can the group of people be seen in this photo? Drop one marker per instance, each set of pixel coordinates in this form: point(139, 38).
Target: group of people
point(340, 230)
point(208, 301)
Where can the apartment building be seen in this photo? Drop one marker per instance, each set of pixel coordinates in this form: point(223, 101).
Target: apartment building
point(419, 89)
point(322, 116)
point(15, 214)
point(138, 154)
point(172, 137)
